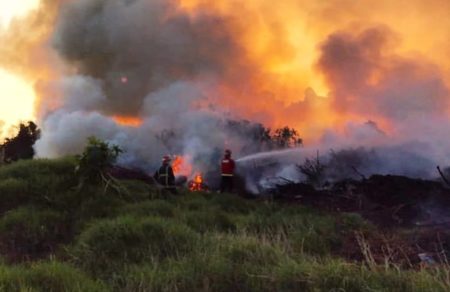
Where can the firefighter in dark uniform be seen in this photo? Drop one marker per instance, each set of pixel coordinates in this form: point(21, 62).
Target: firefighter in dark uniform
point(165, 176)
point(227, 167)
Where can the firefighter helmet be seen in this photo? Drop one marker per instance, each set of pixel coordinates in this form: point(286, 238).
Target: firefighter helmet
point(166, 158)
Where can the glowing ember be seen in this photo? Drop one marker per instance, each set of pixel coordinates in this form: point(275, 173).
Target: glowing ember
point(128, 121)
point(197, 184)
point(124, 79)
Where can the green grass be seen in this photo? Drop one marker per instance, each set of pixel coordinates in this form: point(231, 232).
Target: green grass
point(47, 277)
point(54, 237)
point(110, 245)
point(29, 231)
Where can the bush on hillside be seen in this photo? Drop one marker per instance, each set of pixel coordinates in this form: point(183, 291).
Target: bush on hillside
point(28, 232)
point(110, 245)
point(95, 160)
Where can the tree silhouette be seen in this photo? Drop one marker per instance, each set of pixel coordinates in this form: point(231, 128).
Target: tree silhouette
point(286, 137)
point(21, 146)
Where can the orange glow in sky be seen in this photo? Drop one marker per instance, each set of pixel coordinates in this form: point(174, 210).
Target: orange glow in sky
point(16, 94)
point(16, 101)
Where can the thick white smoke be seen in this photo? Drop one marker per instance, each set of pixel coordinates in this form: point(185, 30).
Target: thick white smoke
point(142, 59)
point(151, 60)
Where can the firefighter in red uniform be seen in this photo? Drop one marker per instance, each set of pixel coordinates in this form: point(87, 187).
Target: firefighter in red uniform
point(228, 166)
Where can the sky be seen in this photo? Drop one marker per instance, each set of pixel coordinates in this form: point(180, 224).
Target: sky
point(16, 94)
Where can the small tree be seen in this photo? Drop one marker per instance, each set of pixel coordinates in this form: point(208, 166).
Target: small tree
point(95, 160)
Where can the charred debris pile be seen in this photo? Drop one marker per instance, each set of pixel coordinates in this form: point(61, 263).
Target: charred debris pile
point(386, 200)
point(358, 180)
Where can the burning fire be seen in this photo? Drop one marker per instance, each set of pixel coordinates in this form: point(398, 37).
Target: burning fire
point(181, 166)
point(128, 121)
point(197, 184)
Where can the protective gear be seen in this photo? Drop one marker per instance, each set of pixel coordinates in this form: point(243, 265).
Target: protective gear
point(166, 159)
point(227, 168)
point(165, 175)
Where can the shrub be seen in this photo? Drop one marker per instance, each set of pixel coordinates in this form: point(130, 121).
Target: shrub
point(28, 231)
point(96, 158)
point(110, 245)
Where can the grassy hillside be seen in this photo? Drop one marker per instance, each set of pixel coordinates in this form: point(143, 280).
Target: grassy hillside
point(55, 237)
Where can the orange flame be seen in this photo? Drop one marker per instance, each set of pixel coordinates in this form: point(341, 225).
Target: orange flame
point(197, 184)
point(181, 165)
point(128, 121)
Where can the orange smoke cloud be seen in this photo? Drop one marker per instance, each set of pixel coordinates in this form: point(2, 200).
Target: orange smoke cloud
point(284, 51)
point(128, 121)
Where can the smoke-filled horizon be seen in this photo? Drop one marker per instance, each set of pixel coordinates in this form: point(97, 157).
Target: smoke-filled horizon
point(343, 74)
